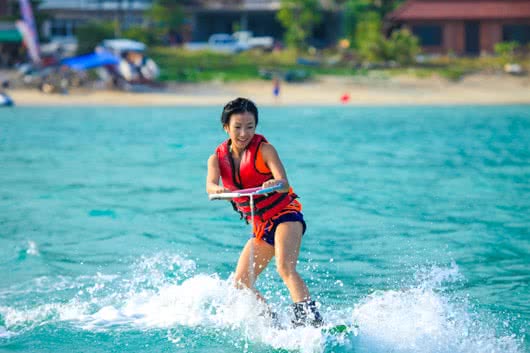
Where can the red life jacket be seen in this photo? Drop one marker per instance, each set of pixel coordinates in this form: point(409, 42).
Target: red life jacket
point(265, 206)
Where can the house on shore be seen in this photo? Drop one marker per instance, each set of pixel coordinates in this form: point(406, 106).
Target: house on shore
point(203, 17)
point(258, 16)
point(10, 37)
point(65, 16)
point(464, 27)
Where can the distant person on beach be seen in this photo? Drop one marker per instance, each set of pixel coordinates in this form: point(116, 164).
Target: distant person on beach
point(5, 100)
point(247, 160)
point(276, 88)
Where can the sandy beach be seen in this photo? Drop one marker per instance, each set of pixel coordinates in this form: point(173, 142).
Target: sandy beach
point(324, 90)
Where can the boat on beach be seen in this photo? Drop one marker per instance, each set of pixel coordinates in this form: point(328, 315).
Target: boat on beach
point(5, 100)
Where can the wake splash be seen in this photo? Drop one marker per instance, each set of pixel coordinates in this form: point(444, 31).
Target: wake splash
point(165, 292)
point(424, 318)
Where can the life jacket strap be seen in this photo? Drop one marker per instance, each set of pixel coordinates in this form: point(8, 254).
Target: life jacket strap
point(260, 211)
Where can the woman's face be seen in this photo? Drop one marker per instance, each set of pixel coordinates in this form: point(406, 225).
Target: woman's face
point(241, 129)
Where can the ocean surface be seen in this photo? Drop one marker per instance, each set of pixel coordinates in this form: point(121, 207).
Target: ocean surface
point(418, 231)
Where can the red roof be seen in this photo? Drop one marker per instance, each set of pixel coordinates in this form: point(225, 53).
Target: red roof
point(461, 10)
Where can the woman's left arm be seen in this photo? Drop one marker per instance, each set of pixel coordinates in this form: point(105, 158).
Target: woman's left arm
point(272, 160)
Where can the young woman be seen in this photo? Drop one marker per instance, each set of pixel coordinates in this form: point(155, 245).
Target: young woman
point(247, 160)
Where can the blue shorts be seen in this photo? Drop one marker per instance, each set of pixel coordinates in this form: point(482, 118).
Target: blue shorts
point(268, 236)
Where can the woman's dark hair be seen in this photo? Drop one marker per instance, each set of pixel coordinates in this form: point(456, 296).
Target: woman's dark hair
point(238, 106)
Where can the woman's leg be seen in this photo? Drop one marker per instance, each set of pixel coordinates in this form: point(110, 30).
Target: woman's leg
point(263, 253)
point(287, 242)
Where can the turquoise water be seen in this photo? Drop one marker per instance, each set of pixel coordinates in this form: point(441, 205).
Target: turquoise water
point(418, 231)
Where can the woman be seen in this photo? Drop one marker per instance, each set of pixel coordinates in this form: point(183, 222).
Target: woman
point(247, 160)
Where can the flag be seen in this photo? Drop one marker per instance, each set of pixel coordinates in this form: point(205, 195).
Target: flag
point(29, 40)
point(29, 30)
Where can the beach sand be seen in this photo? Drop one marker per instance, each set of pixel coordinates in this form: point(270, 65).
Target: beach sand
point(324, 90)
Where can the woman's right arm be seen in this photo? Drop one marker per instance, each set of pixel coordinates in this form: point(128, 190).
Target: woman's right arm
point(212, 179)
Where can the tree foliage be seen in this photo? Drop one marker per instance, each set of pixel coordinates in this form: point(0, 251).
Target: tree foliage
point(368, 37)
point(141, 34)
point(507, 51)
point(90, 34)
point(372, 46)
point(353, 11)
point(384, 7)
point(165, 17)
point(359, 11)
point(381, 7)
point(403, 47)
point(299, 17)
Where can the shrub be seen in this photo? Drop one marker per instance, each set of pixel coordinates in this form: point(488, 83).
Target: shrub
point(506, 50)
point(141, 34)
point(403, 47)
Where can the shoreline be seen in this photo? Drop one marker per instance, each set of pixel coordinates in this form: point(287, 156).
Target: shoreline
point(479, 89)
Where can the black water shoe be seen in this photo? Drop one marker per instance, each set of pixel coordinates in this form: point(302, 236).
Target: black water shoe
point(306, 314)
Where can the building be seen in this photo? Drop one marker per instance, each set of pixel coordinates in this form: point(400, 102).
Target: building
point(10, 38)
point(204, 17)
point(67, 15)
point(258, 16)
point(464, 27)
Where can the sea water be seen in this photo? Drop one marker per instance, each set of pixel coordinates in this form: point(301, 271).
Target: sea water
point(418, 231)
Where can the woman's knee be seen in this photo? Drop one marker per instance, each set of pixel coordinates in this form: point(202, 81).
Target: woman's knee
point(241, 281)
point(286, 270)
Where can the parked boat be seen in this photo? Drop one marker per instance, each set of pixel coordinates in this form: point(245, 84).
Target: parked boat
point(5, 100)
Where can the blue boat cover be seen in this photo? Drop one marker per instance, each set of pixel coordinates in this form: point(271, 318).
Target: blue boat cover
point(89, 61)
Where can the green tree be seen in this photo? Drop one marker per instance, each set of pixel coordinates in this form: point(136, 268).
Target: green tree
point(372, 46)
point(299, 17)
point(165, 17)
point(369, 40)
point(384, 7)
point(357, 11)
point(358, 7)
point(92, 33)
point(403, 47)
point(353, 11)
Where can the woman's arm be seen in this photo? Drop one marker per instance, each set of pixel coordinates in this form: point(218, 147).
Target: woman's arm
point(212, 179)
point(272, 160)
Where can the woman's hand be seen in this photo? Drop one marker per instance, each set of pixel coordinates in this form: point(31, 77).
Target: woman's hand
point(274, 182)
point(272, 160)
point(218, 189)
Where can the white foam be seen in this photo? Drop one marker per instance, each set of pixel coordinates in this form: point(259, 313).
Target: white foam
point(20, 320)
point(32, 248)
point(165, 293)
point(4, 333)
point(402, 321)
point(423, 319)
point(209, 302)
point(199, 300)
